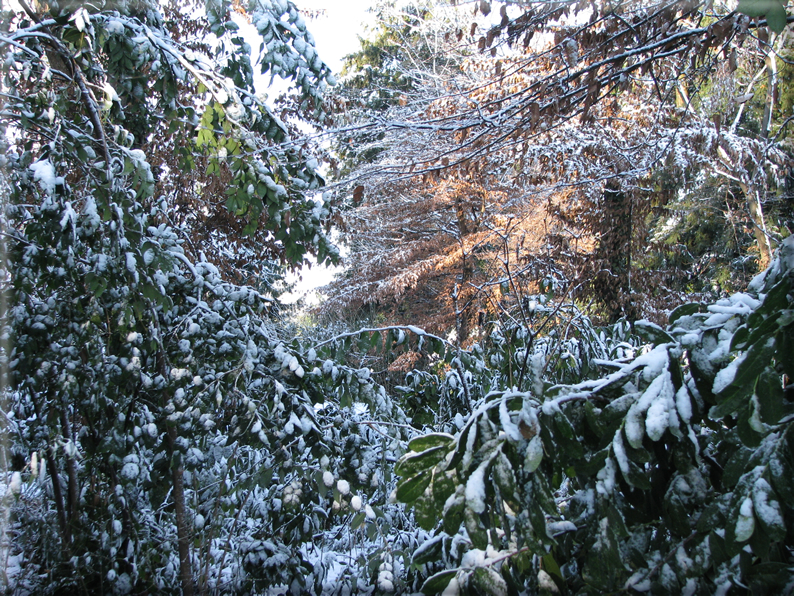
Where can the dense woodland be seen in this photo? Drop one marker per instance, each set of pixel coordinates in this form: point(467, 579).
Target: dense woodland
point(558, 359)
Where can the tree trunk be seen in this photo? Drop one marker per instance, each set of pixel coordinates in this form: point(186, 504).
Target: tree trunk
point(57, 496)
point(769, 104)
point(759, 225)
point(183, 535)
point(72, 493)
point(613, 256)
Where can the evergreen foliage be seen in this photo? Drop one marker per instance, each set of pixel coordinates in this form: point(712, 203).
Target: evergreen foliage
point(669, 470)
point(164, 433)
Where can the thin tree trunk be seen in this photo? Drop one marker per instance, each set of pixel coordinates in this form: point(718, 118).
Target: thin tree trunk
point(769, 104)
point(183, 535)
point(57, 496)
point(72, 494)
point(759, 225)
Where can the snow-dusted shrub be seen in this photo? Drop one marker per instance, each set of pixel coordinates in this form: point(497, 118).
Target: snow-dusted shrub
point(164, 437)
point(670, 471)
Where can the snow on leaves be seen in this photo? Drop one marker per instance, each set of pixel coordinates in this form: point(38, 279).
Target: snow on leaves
point(668, 431)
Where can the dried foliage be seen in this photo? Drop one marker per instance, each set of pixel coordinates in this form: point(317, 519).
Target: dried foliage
point(565, 135)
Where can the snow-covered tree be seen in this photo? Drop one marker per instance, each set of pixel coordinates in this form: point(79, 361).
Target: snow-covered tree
point(668, 470)
point(162, 436)
point(576, 138)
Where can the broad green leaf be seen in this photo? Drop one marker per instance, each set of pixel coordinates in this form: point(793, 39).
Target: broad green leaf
point(477, 533)
point(756, 8)
point(745, 426)
point(430, 441)
point(768, 510)
point(453, 514)
point(411, 463)
point(566, 436)
point(429, 551)
point(443, 487)
point(425, 511)
point(603, 564)
point(652, 333)
point(713, 515)
point(410, 489)
point(358, 520)
point(506, 481)
point(589, 466)
point(636, 477)
point(755, 334)
point(551, 567)
point(438, 582)
point(785, 347)
point(735, 467)
point(731, 397)
point(777, 18)
point(462, 442)
point(486, 581)
point(683, 311)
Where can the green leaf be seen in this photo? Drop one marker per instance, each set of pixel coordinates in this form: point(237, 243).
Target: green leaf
point(551, 567)
point(376, 341)
point(593, 419)
point(785, 347)
point(411, 463)
point(372, 531)
point(777, 18)
point(424, 511)
point(542, 495)
point(357, 520)
point(592, 465)
point(731, 397)
point(438, 582)
point(430, 441)
point(683, 311)
point(713, 515)
point(429, 551)
point(566, 436)
point(475, 530)
point(487, 581)
point(735, 467)
point(767, 326)
point(637, 477)
point(781, 466)
point(651, 332)
point(505, 479)
point(462, 442)
point(775, 301)
point(603, 564)
point(318, 481)
point(453, 515)
point(749, 436)
point(443, 487)
point(768, 512)
point(410, 489)
point(756, 8)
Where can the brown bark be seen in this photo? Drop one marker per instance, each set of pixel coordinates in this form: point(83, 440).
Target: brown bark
point(759, 227)
point(57, 496)
point(182, 532)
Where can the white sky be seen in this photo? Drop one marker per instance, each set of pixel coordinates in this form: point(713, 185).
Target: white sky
point(336, 35)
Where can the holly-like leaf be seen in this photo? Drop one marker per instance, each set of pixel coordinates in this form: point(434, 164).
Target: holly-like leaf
point(438, 582)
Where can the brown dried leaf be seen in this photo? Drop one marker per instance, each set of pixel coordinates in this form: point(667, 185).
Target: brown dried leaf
point(358, 194)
